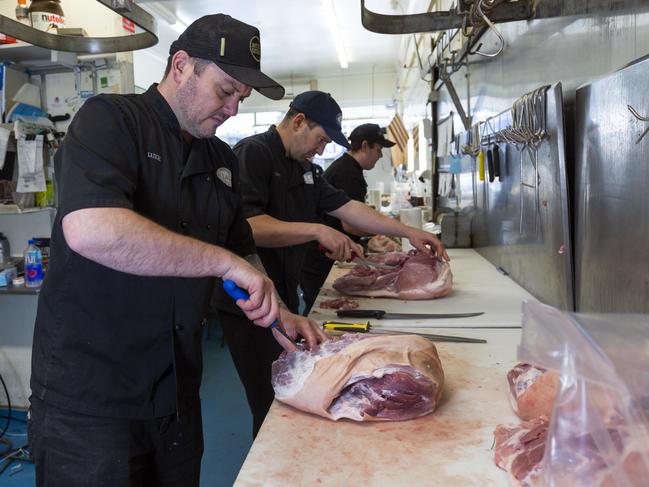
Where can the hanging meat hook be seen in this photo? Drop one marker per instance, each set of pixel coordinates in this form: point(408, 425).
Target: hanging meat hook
point(642, 119)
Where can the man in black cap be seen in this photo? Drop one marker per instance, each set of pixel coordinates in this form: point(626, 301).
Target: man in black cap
point(346, 173)
point(149, 204)
point(284, 196)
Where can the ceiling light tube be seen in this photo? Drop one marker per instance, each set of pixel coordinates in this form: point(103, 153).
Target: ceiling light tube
point(334, 28)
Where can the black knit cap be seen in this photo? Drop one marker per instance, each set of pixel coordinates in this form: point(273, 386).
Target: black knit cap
point(233, 46)
point(371, 132)
point(321, 108)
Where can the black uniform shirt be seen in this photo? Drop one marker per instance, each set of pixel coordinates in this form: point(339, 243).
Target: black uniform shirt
point(347, 174)
point(115, 344)
point(286, 189)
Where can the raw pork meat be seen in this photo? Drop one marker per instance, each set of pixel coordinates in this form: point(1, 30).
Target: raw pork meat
point(605, 457)
point(339, 303)
point(532, 390)
point(362, 377)
point(520, 449)
point(381, 244)
point(417, 276)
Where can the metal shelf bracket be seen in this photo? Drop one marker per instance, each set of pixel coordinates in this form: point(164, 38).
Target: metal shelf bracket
point(90, 45)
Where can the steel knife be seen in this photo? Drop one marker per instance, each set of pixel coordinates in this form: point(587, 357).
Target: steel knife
point(380, 314)
point(367, 328)
point(236, 293)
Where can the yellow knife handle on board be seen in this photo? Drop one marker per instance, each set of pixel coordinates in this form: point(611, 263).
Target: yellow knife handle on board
point(481, 165)
point(341, 326)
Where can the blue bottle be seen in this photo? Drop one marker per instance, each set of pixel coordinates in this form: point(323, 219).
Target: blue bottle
point(33, 266)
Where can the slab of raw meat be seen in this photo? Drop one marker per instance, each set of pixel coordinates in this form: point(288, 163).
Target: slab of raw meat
point(339, 303)
point(520, 449)
point(606, 456)
point(381, 244)
point(532, 390)
point(417, 276)
point(362, 377)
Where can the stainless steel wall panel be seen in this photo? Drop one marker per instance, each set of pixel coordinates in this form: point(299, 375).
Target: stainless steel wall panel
point(612, 244)
point(570, 50)
point(524, 230)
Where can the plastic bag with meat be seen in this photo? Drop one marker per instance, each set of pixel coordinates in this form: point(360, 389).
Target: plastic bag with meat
point(362, 377)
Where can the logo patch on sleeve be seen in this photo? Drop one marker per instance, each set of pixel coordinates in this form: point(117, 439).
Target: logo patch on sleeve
point(225, 176)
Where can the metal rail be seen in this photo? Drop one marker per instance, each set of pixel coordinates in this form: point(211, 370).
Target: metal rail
point(91, 45)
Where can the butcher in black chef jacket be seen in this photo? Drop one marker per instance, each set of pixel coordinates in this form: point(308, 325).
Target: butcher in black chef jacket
point(283, 196)
point(346, 173)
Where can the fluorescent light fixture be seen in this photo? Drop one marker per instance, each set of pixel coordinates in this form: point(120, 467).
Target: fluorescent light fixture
point(334, 28)
point(159, 10)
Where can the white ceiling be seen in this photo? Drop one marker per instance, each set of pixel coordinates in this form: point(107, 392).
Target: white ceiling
point(296, 42)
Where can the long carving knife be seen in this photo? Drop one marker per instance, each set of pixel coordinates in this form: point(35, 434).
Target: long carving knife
point(380, 314)
point(367, 328)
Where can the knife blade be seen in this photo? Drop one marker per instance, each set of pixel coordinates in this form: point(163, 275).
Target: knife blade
point(380, 314)
point(368, 328)
point(360, 260)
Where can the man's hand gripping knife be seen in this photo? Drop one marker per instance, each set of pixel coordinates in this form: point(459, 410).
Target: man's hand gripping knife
point(294, 324)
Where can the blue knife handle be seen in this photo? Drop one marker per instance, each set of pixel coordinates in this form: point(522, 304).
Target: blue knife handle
point(237, 293)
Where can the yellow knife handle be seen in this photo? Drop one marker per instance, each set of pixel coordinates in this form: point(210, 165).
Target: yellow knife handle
point(341, 326)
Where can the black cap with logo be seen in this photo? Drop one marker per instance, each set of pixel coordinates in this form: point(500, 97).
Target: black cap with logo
point(233, 46)
point(372, 133)
point(321, 108)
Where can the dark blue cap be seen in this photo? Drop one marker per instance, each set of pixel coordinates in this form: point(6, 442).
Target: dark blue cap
point(321, 108)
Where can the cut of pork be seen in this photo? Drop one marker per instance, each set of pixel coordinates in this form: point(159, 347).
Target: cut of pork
point(362, 377)
point(417, 275)
point(339, 303)
point(520, 449)
point(532, 390)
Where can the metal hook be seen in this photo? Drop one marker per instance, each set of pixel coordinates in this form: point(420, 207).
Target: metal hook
point(492, 27)
point(642, 119)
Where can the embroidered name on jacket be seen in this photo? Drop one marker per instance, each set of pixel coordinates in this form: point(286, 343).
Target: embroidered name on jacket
point(154, 156)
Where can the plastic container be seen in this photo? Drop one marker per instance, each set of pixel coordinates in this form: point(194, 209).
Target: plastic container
point(22, 12)
point(599, 430)
point(46, 15)
point(33, 265)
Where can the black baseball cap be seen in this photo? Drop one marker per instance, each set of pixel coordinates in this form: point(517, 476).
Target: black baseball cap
point(322, 109)
point(233, 46)
point(372, 133)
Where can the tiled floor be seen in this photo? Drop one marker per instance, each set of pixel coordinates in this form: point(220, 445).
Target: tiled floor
point(227, 424)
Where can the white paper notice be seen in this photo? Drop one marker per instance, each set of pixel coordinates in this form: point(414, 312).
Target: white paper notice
point(31, 177)
point(4, 140)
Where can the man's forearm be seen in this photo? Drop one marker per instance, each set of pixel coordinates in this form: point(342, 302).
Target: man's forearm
point(123, 240)
point(271, 232)
point(368, 220)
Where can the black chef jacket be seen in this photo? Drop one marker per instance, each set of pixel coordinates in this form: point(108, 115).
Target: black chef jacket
point(286, 189)
point(109, 343)
point(347, 174)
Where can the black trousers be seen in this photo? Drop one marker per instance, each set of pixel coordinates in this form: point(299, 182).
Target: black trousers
point(253, 350)
point(76, 450)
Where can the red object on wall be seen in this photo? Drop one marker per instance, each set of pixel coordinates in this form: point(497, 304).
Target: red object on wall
point(128, 25)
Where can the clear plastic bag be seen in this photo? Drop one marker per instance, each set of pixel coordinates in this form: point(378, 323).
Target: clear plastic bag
point(599, 430)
